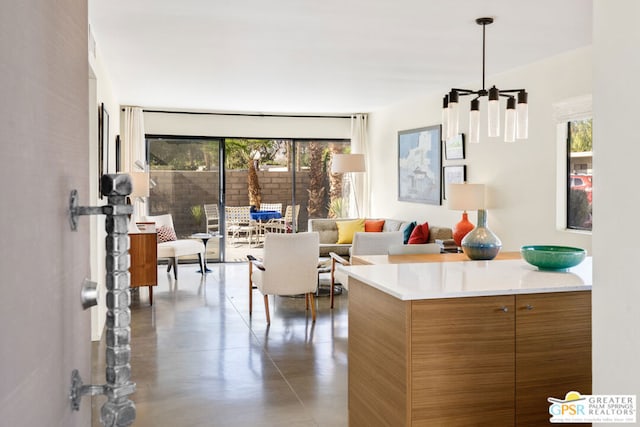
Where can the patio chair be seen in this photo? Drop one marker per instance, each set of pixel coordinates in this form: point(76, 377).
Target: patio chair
point(213, 218)
point(238, 223)
point(290, 267)
point(364, 244)
point(284, 224)
point(271, 207)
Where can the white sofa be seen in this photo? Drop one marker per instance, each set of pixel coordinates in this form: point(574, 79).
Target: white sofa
point(328, 231)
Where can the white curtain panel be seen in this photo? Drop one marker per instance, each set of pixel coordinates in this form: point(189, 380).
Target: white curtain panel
point(134, 149)
point(360, 145)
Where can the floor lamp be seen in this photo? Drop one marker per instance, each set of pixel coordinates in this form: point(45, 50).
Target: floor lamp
point(348, 164)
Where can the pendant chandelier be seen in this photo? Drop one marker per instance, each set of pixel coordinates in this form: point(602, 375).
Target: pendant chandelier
point(516, 122)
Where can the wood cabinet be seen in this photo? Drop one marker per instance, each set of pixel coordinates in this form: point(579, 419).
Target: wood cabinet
point(143, 253)
point(489, 360)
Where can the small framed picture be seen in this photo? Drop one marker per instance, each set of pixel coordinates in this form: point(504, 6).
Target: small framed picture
point(453, 175)
point(454, 147)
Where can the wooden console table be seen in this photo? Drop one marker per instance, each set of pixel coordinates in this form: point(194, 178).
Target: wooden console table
point(143, 252)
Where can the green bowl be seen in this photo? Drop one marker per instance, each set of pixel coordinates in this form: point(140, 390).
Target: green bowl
point(549, 257)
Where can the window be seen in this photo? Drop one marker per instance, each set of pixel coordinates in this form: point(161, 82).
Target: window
point(579, 174)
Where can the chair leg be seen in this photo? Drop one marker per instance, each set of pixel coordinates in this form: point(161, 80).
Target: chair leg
point(169, 264)
point(200, 263)
point(266, 309)
point(150, 295)
point(306, 302)
point(250, 288)
point(333, 280)
point(313, 306)
point(175, 268)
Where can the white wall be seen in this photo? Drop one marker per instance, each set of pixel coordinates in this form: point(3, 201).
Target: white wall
point(521, 176)
point(616, 291)
point(101, 92)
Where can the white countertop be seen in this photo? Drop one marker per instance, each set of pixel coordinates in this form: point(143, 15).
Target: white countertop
point(469, 278)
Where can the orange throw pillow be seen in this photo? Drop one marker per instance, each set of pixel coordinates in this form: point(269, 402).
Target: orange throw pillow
point(420, 234)
point(373, 225)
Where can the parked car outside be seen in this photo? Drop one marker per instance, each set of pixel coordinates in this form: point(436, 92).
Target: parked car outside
point(582, 183)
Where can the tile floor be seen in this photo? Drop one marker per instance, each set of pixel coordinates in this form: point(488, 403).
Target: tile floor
point(198, 359)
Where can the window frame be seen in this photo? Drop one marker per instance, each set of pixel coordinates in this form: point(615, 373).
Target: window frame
point(578, 108)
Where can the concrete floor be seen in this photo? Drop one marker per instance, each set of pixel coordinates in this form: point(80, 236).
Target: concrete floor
point(199, 359)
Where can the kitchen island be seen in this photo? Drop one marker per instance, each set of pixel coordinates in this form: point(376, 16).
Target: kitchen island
point(466, 343)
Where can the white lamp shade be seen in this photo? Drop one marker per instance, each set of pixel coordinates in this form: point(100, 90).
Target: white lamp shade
point(462, 197)
point(139, 184)
point(346, 163)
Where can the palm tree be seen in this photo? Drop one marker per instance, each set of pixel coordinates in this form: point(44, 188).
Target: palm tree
point(316, 188)
point(335, 185)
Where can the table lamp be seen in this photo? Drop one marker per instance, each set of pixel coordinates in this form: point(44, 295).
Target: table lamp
point(463, 197)
point(479, 243)
point(139, 190)
point(349, 163)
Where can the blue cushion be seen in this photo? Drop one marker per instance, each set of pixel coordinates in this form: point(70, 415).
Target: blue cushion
point(407, 231)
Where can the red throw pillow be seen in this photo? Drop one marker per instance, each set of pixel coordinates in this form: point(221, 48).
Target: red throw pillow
point(166, 234)
point(420, 234)
point(373, 225)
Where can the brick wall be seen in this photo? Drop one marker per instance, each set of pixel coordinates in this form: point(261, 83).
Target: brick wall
point(178, 191)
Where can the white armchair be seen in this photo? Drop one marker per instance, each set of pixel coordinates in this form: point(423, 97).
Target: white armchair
point(290, 267)
point(176, 248)
point(364, 244)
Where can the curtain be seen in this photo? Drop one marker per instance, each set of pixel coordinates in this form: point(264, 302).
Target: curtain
point(134, 150)
point(359, 145)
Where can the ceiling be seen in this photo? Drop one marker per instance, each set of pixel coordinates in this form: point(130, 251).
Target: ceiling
point(322, 56)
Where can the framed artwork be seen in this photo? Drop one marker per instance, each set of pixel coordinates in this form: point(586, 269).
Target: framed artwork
point(454, 147)
point(103, 144)
point(453, 175)
point(118, 155)
point(419, 165)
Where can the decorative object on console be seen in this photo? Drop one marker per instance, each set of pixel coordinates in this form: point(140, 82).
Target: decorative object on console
point(549, 257)
point(516, 124)
point(463, 197)
point(349, 164)
point(481, 243)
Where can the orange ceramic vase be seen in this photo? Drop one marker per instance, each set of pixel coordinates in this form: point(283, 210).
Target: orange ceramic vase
point(461, 229)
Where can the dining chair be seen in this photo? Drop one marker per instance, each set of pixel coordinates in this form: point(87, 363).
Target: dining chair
point(364, 244)
point(289, 267)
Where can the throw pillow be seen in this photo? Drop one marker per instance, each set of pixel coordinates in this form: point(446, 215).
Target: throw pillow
point(373, 225)
point(347, 228)
point(391, 225)
point(420, 234)
point(407, 231)
point(166, 234)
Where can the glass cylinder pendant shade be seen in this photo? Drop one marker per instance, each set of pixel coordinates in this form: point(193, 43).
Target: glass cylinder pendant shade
point(445, 117)
point(454, 118)
point(493, 110)
point(474, 122)
point(522, 116)
point(510, 121)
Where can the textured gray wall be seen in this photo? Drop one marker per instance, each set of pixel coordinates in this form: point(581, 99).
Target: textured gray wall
point(44, 153)
point(178, 191)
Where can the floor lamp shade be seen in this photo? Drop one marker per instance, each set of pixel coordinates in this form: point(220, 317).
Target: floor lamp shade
point(347, 163)
point(139, 184)
point(463, 197)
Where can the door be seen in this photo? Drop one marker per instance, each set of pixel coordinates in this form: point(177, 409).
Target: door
point(44, 154)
